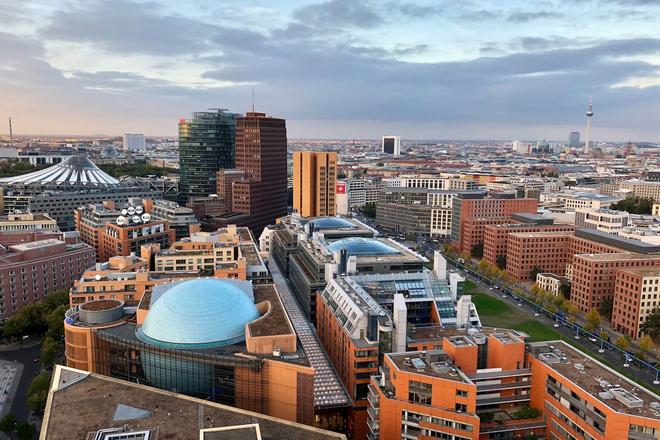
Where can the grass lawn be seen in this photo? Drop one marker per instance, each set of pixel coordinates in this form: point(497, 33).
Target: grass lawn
point(496, 313)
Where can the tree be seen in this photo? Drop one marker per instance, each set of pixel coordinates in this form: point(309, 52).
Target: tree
point(651, 326)
point(606, 306)
point(634, 205)
point(49, 350)
point(500, 261)
point(38, 392)
point(25, 430)
point(477, 251)
point(622, 342)
point(593, 320)
point(646, 344)
point(369, 210)
point(535, 271)
point(7, 423)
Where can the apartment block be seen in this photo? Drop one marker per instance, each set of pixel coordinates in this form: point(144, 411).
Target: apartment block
point(27, 221)
point(30, 270)
point(636, 297)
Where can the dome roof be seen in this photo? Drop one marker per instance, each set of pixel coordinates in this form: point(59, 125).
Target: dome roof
point(362, 246)
point(331, 223)
point(74, 171)
point(200, 313)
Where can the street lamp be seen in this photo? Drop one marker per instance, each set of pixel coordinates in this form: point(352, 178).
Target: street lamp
point(627, 362)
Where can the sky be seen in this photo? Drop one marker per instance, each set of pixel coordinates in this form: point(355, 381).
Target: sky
point(467, 69)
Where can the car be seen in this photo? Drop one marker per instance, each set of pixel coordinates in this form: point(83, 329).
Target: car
point(555, 325)
point(536, 314)
point(504, 296)
point(490, 288)
point(36, 359)
point(594, 340)
point(519, 304)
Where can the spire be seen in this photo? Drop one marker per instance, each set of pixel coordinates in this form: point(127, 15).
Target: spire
point(587, 138)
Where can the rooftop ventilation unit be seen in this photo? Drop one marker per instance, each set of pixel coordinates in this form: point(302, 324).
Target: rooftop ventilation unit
point(441, 367)
point(626, 397)
point(549, 358)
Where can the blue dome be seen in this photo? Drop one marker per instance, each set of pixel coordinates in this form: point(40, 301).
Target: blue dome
point(362, 246)
point(331, 223)
point(200, 313)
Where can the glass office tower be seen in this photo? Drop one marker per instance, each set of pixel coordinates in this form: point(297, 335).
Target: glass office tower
point(206, 145)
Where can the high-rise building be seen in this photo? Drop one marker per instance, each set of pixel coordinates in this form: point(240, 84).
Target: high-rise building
point(574, 139)
point(206, 145)
point(134, 142)
point(314, 179)
point(261, 147)
point(391, 145)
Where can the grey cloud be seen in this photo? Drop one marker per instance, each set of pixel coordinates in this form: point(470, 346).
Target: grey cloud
point(339, 14)
point(522, 17)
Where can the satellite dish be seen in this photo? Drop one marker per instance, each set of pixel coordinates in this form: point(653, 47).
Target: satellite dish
point(136, 219)
point(97, 277)
point(121, 220)
point(131, 210)
point(139, 209)
point(146, 217)
point(124, 212)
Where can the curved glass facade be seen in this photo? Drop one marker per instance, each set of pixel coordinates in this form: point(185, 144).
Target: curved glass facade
point(362, 246)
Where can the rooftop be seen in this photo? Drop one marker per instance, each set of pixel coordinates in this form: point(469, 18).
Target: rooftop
point(435, 363)
point(75, 171)
point(81, 403)
point(597, 379)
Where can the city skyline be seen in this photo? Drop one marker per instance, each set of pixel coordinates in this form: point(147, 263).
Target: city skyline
point(335, 69)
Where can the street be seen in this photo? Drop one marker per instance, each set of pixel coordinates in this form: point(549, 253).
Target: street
point(30, 371)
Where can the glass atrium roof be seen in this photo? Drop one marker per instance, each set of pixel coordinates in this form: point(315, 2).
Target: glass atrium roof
point(331, 223)
point(202, 313)
point(362, 246)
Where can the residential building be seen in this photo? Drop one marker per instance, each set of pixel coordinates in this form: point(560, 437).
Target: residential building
point(634, 188)
point(207, 143)
point(122, 232)
point(636, 297)
point(134, 142)
point(35, 264)
point(27, 221)
point(472, 205)
point(314, 183)
point(137, 411)
point(182, 220)
point(603, 219)
point(554, 284)
point(656, 210)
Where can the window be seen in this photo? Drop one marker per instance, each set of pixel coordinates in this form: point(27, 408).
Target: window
point(461, 393)
point(420, 392)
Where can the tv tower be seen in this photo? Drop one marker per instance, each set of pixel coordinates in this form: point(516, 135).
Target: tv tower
point(587, 138)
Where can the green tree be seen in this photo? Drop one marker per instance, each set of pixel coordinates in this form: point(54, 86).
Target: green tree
point(634, 205)
point(622, 342)
point(7, 423)
point(25, 430)
point(477, 251)
point(501, 261)
point(38, 392)
point(593, 320)
point(606, 306)
point(49, 350)
point(535, 271)
point(651, 326)
point(369, 210)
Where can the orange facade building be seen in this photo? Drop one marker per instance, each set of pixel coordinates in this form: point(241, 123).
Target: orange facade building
point(314, 180)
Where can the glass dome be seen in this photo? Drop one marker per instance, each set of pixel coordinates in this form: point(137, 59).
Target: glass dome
point(331, 223)
point(362, 246)
point(200, 313)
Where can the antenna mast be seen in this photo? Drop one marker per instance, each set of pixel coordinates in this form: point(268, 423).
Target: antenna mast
point(11, 134)
point(252, 99)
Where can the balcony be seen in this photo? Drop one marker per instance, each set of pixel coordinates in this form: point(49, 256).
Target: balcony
point(503, 386)
point(374, 414)
point(373, 399)
point(373, 426)
point(502, 399)
point(500, 374)
point(512, 425)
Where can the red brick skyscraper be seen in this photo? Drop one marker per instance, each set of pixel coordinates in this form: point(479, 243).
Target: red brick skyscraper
point(261, 151)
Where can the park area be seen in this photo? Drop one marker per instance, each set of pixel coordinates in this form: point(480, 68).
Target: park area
point(496, 313)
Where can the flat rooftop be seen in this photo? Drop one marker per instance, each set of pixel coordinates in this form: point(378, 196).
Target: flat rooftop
point(597, 379)
point(644, 272)
point(439, 365)
point(81, 403)
point(620, 256)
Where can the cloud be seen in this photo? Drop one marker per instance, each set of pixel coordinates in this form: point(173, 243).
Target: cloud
point(339, 14)
point(522, 17)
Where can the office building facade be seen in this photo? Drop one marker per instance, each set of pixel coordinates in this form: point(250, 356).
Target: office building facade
point(314, 183)
point(134, 142)
point(206, 145)
point(391, 145)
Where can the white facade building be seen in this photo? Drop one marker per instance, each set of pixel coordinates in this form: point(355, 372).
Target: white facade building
point(134, 142)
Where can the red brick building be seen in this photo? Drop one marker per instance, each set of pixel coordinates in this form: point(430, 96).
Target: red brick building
point(636, 297)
